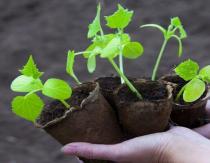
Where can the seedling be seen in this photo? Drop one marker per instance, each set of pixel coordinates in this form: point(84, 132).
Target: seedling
point(196, 80)
point(174, 30)
point(110, 46)
point(30, 106)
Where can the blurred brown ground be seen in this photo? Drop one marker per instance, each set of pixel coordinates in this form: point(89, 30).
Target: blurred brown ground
point(47, 29)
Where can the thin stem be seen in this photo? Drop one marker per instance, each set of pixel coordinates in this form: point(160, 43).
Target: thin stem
point(37, 90)
point(120, 31)
point(76, 80)
point(180, 93)
point(121, 64)
point(159, 58)
point(65, 103)
point(129, 84)
point(101, 30)
point(83, 52)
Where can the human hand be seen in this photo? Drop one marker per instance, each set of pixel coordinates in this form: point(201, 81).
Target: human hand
point(178, 145)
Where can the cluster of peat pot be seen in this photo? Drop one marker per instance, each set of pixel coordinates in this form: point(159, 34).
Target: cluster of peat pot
point(105, 111)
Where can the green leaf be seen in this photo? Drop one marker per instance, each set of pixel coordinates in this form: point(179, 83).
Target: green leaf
point(133, 50)
point(120, 19)
point(194, 90)
point(176, 22)
point(205, 73)
point(187, 70)
point(57, 89)
point(155, 26)
point(90, 48)
point(91, 64)
point(112, 48)
point(70, 65)
point(26, 84)
point(30, 69)
point(183, 33)
point(125, 38)
point(28, 107)
point(95, 26)
point(98, 43)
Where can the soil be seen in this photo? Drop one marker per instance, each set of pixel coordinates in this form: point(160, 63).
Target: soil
point(108, 83)
point(147, 116)
point(195, 111)
point(91, 119)
point(47, 29)
point(150, 91)
point(56, 109)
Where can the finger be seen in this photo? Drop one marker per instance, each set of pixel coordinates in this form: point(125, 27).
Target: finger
point(92, 151)
point(204, 130)
point(140, 148)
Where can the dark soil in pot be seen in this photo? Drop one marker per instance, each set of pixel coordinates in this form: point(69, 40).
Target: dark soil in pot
point(90, 118)
point(107, 87)
point(189, 115)
point(150, 115)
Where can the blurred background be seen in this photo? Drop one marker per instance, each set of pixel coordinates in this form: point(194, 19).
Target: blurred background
point(48, 28)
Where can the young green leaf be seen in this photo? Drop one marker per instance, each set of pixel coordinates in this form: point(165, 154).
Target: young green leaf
point(95, 26)
point(112, 48)
point(70, 65)
point(205, 73)
point(176, 22)
point(120, 19)
point(26, 84)
point(187, 70)
point(98, 43)
point(28, 107)
point(57, 89)
point(133, 50)
point(194, 90)
point(30, 69)
point(91, 64)
point(125, 38)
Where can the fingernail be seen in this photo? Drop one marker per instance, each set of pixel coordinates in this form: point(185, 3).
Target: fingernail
point(68, 149)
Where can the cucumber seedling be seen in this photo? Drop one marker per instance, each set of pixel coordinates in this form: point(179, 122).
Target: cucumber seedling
point(30, 105)
point(196, 80)
point(112, 45)
point(174, 30)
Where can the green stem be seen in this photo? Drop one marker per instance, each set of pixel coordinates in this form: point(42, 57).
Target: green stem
point(101, 31)
point(159, 58)
point(65, 103)
point(120, 31)
point(83, 52)
point(37, 90)
point(121, 64)
point(76, 79)
point(180, 93)
point(129, 84)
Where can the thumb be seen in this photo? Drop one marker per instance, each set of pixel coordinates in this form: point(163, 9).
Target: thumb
point(204, 130)
point(92, 151)
point(133, 150)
